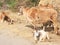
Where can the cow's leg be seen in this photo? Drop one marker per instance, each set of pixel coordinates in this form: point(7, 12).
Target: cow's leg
point(55, 26)
point(47, 36)
point(34, 25)
point(41, 38)
point(2, 20)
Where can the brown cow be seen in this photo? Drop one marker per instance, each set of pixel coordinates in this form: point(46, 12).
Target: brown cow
point(4, 17)
point(39, 15)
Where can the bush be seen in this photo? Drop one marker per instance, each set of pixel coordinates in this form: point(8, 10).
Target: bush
point(1, 4)
point(11, 3)
point(35, 2)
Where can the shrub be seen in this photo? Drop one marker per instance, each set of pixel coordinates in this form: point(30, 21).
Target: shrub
point(1, 4)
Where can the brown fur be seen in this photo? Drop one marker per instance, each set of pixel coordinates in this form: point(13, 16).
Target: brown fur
point(4, 17)
point(41, 15)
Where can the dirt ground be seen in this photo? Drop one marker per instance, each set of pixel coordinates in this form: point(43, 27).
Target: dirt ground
point(21, 34)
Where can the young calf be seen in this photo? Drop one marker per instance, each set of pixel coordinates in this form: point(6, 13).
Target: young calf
point(41, 34)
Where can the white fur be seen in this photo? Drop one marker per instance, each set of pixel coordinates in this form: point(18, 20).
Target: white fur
point(43, 35)
point(35, 35)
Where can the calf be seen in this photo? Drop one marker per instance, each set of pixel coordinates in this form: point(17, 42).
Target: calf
point(41, 35)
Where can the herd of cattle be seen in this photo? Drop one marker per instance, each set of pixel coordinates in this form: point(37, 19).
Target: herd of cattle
point(39, 15)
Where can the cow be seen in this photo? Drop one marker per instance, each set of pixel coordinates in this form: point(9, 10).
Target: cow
point(5, 17)
point(41, 14)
